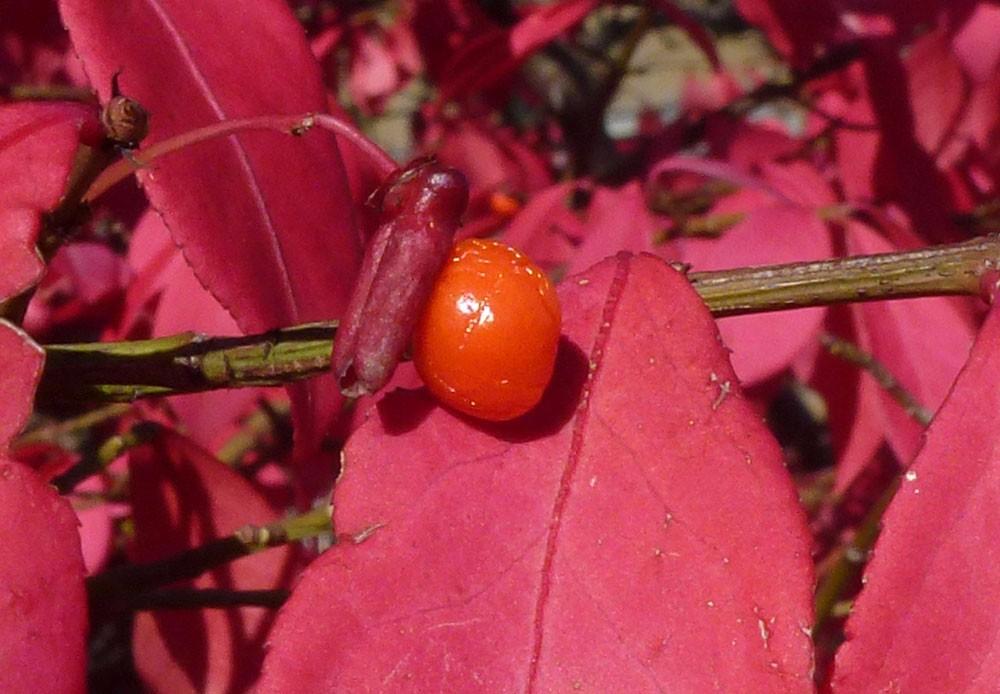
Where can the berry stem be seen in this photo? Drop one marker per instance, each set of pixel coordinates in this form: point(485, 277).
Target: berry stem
point(191, 362)
point(297, 126)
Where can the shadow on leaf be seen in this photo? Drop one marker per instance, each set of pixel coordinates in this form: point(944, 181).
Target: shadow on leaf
point(403, 410)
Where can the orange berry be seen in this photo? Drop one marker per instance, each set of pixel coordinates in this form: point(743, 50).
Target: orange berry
point(486, 342)
point(503, 204)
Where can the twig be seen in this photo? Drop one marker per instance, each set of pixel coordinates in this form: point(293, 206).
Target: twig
point(186, 363)
point(105, 454)
point(111, 588)
point(851, 559)
point(267, 426)
point(938, 270)
point(58, 431)
point(851, 352)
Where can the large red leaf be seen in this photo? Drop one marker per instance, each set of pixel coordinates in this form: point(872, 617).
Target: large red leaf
point(37, 145)
point(927, 620)
point(43, 608)
point(624, 537)
point(21, 364)
point(265, 221)
point(183, 497)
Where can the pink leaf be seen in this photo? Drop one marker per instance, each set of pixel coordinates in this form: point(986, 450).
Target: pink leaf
point(625, 537)
point(938, 91)
point(926, 620)
point(22, 367)
point(975, 44)
point(37, 145)
point(856, 420)
point(925, 361)
point(764, 345)
point(43, 608)
point(183, 497)
point(605, 232)
point(266, 222)
point(208, 418)
point(494, 54)
point(544, 228)
point(710, 168)
point(97, 531)
point(546, 23)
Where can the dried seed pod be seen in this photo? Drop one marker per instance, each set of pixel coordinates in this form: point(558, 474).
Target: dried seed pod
point(420, 208)
point(125, 121)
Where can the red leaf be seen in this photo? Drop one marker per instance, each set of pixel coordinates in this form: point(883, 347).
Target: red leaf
point(33, 45)
point(856, 420)
point(43, 608)
point(546, 23)
point(797, 30)
point(605, 232)
point(937, 89)
point(82, 288)
point(769, 233)
point(266, 222)
point(623, 538)
point(927, 618)
point(905, 171)
point(975, 44)
point(37, 146)
point(22, 367)
point(209, 418)
point(491, 158)
point(924, 361)
point(183, 497)
point(544, 228)
point(495, 53)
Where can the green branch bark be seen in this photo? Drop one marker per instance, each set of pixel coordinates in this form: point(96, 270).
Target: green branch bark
point(185, 363)
point(192, 362)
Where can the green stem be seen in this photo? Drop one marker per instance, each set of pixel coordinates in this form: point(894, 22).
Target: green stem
point(938, 270)
point(113, 587)
point(105, 454)
point(848, 351)
point(186, 363)
point(62, 433)
point(850, 559)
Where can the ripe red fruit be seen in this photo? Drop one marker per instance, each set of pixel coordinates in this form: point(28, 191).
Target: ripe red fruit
point(486, 342)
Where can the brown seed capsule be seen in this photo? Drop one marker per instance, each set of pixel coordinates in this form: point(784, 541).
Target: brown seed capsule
point(125, 121)
point(420, 209)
